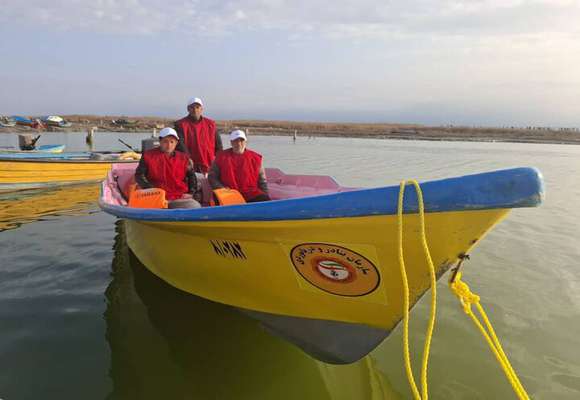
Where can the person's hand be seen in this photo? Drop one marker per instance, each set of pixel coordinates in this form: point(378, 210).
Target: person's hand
point(186, 196)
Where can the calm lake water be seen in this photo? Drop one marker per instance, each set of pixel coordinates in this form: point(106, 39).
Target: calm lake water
point(80, 317)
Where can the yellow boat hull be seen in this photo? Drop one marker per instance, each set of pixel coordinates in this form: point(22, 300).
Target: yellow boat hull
point(321, 269)
point(338, 269)
point(142, 323)
point(29, 174)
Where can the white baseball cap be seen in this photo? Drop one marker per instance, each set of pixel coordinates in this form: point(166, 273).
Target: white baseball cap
point(194, 100)
point(168, 132)
point(237, 134)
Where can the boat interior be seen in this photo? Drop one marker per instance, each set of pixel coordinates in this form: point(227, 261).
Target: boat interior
point(280, 185)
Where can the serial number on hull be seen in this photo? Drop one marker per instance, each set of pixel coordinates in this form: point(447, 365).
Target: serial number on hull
point(228, 249)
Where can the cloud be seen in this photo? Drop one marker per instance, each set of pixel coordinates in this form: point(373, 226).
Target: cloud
point(338, 19)
point(416, 55)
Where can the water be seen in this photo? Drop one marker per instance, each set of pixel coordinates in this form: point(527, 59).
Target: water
point(80, 317)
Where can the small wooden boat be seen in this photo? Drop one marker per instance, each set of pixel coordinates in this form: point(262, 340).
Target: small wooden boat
point(124, 122)
point(26, 121)
point(21, 120)
point(45, 148)
point(30, 171)
point(319, 264)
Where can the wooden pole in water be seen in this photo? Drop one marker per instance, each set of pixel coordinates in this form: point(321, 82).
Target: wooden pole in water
point(295, 134)
point(90, 134)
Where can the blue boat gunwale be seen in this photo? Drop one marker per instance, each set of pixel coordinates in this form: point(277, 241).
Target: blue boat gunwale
point(67, 158)
point(508, 188)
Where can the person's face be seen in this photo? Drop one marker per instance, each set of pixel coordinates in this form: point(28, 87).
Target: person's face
point(167, 144)
point(238, 145)
point(195, 110)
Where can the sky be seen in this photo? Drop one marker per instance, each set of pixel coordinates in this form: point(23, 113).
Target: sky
point(476, 62)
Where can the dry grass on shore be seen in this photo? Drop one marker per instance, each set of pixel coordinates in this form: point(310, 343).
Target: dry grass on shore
point(329, 129)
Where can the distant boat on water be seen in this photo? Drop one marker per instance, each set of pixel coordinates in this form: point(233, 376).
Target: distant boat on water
point(7, 122)
point(124, 122)
point(20, 120)
point(55, 120)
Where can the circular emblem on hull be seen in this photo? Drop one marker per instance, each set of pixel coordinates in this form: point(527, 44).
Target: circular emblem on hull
point(335, 269)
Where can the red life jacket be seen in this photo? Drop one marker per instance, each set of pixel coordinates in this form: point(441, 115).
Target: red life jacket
point(240, 171)
point(199, 139)
point(167, 172)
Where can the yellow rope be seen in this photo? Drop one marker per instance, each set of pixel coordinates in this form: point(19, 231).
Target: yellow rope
point(466, 297)
point(424, 392)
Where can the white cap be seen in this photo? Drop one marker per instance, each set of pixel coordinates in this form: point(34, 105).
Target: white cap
point(237, 134)
point(194, 100)
point(168, 132)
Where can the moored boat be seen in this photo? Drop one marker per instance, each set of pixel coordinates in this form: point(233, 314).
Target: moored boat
point(55, 120)
point(19, 120)
point(171, 357)
point(319, 264)
point(45, 148)
point(7, 122)
point(124, 122)
point(26, 155)
point(35, 170)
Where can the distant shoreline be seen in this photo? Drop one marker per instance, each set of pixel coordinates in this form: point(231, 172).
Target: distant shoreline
point(83, 123)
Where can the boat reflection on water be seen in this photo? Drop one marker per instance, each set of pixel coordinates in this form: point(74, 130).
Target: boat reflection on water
point(18, 208)
point(170, 344)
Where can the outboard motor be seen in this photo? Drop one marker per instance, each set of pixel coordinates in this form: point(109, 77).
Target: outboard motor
point(149, 143)
point(27, 142)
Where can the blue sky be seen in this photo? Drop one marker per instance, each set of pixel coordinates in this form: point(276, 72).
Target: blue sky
point(488, 62)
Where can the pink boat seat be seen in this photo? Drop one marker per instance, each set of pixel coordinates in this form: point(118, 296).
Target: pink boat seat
point(280, 185)
point(274, 175)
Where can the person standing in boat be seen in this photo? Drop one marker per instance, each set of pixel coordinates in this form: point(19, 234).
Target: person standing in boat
point(198, 136)
point(241, 169)
point(166, 168)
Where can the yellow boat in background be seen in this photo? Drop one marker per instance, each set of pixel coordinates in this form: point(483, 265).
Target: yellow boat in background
point(319, 264)
point(20, 208)
point(32, 171)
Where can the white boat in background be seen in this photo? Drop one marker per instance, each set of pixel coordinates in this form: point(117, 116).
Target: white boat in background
point(7, 122)
point(55, 120)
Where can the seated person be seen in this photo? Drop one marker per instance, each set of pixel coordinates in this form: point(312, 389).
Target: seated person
point(165, 168)
point(241, 169)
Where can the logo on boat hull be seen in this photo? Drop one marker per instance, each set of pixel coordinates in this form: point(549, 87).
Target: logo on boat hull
point(335, 269)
